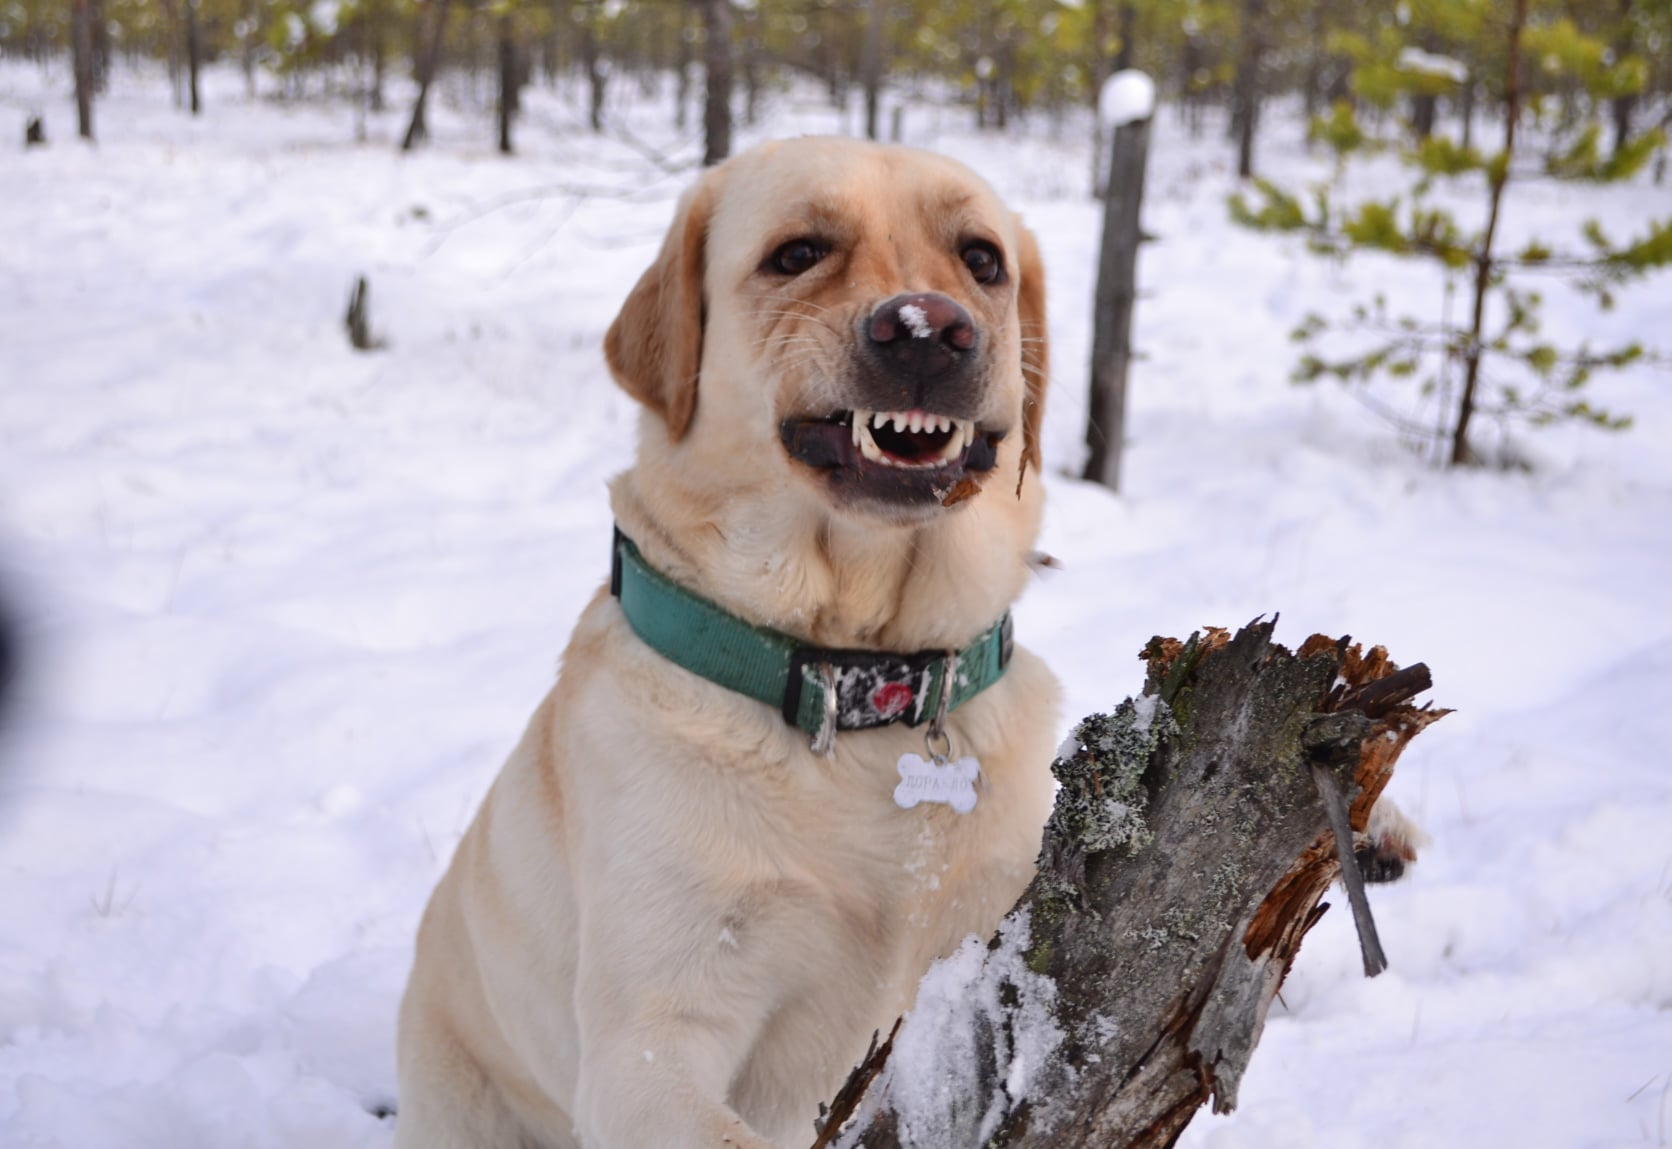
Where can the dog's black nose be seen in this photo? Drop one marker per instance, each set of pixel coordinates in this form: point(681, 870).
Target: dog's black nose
point(925, 334)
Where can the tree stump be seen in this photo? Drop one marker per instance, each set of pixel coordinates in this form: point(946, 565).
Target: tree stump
point(1183, 864)
point(358, 319)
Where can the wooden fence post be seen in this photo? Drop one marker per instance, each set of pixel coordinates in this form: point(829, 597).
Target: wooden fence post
point(1128, 102)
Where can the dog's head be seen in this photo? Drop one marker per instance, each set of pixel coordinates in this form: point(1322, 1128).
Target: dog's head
point(866, 320)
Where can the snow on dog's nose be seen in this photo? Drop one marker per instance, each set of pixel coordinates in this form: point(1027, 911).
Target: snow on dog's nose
point(923, 335)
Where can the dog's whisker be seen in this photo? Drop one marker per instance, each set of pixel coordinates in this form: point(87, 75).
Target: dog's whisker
point(781, 313)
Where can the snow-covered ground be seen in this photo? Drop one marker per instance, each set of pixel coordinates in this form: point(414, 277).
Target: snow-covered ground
point(289, 605)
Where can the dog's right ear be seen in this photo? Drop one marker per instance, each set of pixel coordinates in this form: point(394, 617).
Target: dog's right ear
point(654, 347)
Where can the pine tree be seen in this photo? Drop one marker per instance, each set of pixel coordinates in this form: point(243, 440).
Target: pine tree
point(1547, 74)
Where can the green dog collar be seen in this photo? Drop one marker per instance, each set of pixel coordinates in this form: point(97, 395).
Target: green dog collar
point(860, 689)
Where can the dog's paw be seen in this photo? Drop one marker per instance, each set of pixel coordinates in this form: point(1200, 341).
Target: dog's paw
point(1389, 843)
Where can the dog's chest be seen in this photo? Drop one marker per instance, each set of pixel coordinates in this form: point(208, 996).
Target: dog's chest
point(878, 891)
point(898, 883)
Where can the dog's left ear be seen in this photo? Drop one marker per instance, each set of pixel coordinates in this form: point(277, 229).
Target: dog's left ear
point(654, 347)
point(1036, 358)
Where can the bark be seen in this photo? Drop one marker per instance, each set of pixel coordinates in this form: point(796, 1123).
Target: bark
point(1166, 947)
point(1117, 292)
point(81, 45)
point(428, 61)
point(717, 63)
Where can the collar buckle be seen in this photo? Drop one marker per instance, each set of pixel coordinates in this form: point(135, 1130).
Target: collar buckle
point(872, 688)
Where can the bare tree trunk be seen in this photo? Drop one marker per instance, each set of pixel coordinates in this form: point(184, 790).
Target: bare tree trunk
point(1004, 86)
point(751, 62)
point(250, 37)
point(1316, 59)
point(1466, 110)
point(1099, 74)
point(171, 22)
point(872, 66)
point(507, 80)
point(377, 45)
point(1498, 176)
point(1625, 104)
point(81, 34)
point(101, 47)
point(1181, 869)
point(682, 69)
point(418, 129)
point(551, 45)
point(194, 55)
point(1117, 291)
point(1425, 105)
point(1190, 98)
point(597, 73)
point(1250, 60)
point(717, 62)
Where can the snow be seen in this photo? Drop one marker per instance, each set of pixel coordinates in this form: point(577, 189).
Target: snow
point(1432, 64)
point(917, 320)
point(976, 1006)
point(289, 606)
point(1127, 97)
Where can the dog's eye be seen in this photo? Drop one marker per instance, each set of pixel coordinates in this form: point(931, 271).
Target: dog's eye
point(795, 257)
point(984, 263)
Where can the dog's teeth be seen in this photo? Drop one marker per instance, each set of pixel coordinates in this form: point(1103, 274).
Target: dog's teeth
point(916, 421)
point(901, 420)
point(942, 423)
point(861, 419)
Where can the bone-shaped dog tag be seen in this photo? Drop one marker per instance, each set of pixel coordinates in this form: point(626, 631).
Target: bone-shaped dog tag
point(924, 781)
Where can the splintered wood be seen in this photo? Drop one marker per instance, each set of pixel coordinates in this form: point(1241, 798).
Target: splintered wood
point(1184, 864)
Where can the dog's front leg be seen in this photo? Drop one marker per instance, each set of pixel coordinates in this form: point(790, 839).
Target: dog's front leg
point(666, 1024)
point(661, 1086)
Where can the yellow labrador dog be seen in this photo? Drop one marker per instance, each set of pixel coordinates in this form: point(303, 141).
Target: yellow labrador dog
point(791, 756)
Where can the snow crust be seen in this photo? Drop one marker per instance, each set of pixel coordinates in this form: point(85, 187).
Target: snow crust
point(289, 606)
point(1127, 97)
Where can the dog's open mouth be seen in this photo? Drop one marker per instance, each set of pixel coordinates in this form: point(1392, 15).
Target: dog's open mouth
point(910, 438)
point(895, 456)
